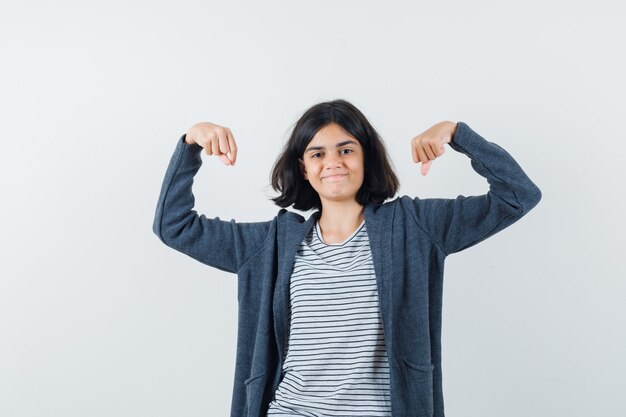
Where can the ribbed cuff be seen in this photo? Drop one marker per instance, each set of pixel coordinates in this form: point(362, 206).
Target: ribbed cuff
point(465, 139)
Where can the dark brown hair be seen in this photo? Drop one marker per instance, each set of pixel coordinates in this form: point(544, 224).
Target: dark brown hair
point(379, 182)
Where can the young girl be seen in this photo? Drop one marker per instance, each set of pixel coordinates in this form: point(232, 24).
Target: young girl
point(340, 314)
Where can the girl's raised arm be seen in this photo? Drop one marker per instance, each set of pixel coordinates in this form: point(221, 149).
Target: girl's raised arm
point(456, 224)
point(225, 245)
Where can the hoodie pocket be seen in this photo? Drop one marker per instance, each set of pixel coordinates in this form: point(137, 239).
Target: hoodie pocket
point(254, 394)
point(420, 376)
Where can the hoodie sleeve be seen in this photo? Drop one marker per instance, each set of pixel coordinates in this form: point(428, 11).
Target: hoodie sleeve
point(224, 245)
point(457, 224)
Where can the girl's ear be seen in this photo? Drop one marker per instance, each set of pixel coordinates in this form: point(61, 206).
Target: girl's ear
point(302, 169)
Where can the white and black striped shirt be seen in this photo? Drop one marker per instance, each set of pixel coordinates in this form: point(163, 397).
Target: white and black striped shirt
point(336, 362)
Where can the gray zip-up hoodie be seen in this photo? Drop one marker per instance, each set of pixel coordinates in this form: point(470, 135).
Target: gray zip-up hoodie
point(410, 239)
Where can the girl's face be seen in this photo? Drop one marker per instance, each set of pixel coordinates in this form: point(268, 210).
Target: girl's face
point(333, 164)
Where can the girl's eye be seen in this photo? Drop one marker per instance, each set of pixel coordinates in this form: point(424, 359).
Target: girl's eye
point(316, 154)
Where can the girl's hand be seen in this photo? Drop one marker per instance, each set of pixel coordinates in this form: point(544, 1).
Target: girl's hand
point(428, 145)
point(215, 140)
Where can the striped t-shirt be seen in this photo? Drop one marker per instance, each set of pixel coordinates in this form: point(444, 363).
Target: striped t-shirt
point(336, 362)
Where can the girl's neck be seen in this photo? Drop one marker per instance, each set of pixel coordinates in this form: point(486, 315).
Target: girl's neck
point(341, 219)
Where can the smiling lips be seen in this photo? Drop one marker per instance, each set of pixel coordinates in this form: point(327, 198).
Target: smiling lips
point(333, 177)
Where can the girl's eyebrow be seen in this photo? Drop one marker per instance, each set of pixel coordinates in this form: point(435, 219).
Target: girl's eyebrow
point(340, 144)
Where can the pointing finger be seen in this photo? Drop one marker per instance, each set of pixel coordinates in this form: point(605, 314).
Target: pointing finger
point(232, 146)
point(426, 167)
point(225, 160)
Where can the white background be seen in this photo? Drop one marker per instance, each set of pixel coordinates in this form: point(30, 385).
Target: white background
point(99, 318)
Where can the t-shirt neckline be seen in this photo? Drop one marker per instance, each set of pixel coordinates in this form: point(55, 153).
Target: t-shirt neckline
point(319, 234)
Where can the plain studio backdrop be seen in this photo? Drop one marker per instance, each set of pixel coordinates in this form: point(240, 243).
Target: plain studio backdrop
point(99, 318)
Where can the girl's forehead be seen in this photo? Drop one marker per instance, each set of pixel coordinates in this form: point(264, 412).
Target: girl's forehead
point(330, 135)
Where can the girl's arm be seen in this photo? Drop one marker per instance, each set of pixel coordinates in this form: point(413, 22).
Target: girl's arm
point(224, 245)
point(456, 224)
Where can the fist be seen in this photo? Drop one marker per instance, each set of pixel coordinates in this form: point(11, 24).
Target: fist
point(428, 145)
point(215, 140)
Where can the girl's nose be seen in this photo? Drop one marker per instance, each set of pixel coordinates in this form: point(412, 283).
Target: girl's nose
point(332, 160)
